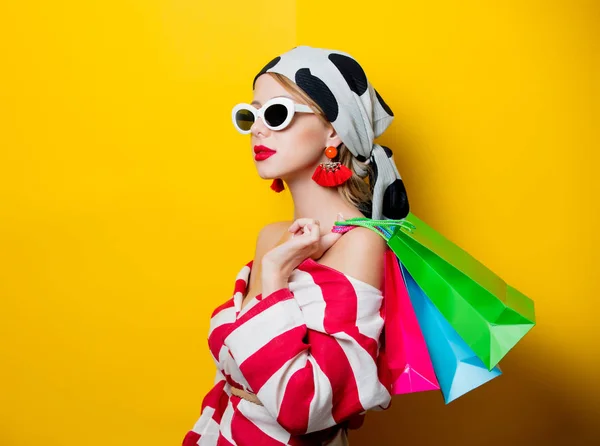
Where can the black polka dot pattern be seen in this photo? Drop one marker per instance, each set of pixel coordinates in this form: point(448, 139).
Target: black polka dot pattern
point(265, 68)
point(383, 104)
point(319, 92)
point(395, 200)
point(352, 72)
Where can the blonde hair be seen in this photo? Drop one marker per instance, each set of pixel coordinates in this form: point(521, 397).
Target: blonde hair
point(357, 189)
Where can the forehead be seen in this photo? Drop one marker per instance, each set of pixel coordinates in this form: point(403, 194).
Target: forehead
point(267, 88)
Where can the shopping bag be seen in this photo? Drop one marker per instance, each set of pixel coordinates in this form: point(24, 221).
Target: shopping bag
point(489, 315)
point(407, 356)
point(457, 367)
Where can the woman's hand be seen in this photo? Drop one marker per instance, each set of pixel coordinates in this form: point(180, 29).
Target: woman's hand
point(306, 241)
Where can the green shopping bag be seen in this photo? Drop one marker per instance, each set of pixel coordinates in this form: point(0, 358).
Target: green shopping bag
point(486, 312)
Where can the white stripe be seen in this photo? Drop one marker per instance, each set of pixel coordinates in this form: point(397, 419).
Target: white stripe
point(369, 301)
point(272, 392)
point(238, 296)
point(261, 329)
point(320, 410)
point(357, 283)
point(211, 436)
point(243, 274)
point(218, 376)
point(321, 406)
point(225, 316)
point(225, 425)
point(231, 368)
point(262, 419)
point(370, 390)
point(371, 326)
point(204, 419)
point(248, 305)
point(310, 299)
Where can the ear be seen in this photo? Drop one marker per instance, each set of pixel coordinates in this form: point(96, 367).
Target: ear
point(333, 139)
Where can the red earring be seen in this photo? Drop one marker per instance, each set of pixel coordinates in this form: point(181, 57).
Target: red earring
point(277, 185)
point(331, 173)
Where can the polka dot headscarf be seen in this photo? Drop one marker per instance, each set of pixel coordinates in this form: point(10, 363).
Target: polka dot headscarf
point(338, 84)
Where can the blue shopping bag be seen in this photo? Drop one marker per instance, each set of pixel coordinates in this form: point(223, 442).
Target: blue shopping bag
point(457, 367)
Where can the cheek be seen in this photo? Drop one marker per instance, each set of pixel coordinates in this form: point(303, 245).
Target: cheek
point(303, 147)
point(306, 138)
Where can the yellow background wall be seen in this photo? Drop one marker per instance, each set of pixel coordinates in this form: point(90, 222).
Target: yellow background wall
point(128, 202)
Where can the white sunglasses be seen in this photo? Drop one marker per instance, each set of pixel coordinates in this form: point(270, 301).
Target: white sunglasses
point(277, 113)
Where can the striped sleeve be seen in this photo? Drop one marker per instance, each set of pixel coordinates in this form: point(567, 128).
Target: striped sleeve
point(306, 378)
point(213, 406)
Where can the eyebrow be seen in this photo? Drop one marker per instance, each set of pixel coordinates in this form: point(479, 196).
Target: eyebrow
point(280, 96)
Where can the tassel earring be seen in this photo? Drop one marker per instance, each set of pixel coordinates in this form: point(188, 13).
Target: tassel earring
point(277, 185)
point(331, 173)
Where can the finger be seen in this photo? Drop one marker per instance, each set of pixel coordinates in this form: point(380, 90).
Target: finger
point(306, 239)
point(310, 234)
point(313, 230)
point(328, 240)
point(301, 222)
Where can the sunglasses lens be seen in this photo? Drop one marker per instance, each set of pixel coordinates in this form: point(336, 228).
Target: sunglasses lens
point(244, 119)
point(276, 114)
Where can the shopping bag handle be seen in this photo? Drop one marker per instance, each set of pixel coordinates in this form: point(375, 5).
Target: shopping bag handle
point(385, 228)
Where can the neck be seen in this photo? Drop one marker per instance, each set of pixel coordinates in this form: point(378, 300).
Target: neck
point(322, 203)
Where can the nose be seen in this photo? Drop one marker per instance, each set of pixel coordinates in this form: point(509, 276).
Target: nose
point(259, 127)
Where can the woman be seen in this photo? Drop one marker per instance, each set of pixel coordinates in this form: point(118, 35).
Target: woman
point(298, 347)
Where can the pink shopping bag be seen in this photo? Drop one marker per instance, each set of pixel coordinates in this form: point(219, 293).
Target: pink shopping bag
point(408, 360)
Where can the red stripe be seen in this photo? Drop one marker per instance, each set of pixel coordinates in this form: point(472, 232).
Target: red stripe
point(341, 308)
point(222, 307)
point(230, 380)
point(222, 441)
point(333, 361)
point(341, 302)
point(220, 410)
point(211, 399)
point(294, 411)
point(243, 431)
point(267, 360)
point(217, 337)
point(191, 439)
point(240, 286)
point(367, 343)
point(270, 300)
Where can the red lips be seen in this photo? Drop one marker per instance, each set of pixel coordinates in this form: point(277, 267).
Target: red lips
point(262, 152)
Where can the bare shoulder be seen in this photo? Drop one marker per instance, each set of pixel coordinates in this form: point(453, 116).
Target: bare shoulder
point(359, 253)
point(269, 236)
point(271, 233)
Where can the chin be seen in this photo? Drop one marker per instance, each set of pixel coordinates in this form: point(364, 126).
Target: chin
point(267, 174)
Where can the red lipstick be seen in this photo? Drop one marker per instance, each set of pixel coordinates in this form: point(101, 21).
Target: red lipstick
point(262, 152)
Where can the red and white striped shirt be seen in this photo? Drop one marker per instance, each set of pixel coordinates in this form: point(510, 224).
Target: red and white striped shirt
point(310, 352)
